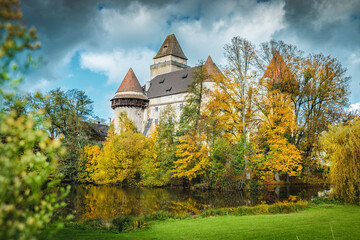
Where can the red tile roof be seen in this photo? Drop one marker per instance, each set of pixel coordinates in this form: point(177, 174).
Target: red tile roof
point(279, 75)
point(130, 83)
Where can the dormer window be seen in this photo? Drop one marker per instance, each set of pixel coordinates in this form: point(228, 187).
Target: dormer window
point(165, 46)
point(162, 81)
point(169, 89)
point(184, 76)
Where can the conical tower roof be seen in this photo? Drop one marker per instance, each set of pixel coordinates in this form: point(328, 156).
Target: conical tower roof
point(170, 47)
point(211, 69)
point(130, 83)
point(279, 75)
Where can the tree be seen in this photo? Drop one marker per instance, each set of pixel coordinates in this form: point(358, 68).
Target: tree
point(121, 157)
point(27, 165)
point(276, 131)
point(156, 168)
point(27, 156)
point(231, 98)
point(322, 99)
point(193, 157)
point(89, 161)
point(316, 85)
point(341, 145)
point(66, 116)
point(191, 115)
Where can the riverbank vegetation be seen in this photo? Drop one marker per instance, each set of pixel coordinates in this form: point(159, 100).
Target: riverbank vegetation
point(320, 222)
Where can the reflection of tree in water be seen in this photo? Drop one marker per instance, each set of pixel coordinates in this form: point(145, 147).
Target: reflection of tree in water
point(107, 202)
point(184, 207)
point(103, 202)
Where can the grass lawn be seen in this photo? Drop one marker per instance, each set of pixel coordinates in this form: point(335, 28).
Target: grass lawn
point(313, 223)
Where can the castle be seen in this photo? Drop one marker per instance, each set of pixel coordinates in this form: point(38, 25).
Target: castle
point(170, 77)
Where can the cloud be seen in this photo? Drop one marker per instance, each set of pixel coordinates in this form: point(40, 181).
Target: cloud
point(112, 36)
point(115, 64)
point(354, 107)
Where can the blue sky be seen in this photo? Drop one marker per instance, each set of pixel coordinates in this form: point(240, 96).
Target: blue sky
point(90, 45)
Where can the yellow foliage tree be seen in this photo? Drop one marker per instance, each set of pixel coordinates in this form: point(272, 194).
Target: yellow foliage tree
point(121, 156)
point(230, 106)
point(89, 160)
point(342, 147)
point(276, 129)
point(193, 157)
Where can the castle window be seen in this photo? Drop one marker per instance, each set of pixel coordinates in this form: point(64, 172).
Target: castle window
point(156, 109)
point(168, 90)
point(184, 76)
point(156, 121)
point(181, 105)
point(162, 81)
point(165, 46)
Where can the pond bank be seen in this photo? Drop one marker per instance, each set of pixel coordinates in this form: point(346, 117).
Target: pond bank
point(318, 222)
point(108, 201)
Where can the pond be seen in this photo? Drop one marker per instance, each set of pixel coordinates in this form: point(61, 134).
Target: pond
point(107, 202)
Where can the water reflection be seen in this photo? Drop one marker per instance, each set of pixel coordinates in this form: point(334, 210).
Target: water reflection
point(108, 202)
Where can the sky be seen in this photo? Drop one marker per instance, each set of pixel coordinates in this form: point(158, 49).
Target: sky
point(90, 45)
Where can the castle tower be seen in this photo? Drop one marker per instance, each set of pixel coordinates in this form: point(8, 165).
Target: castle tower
point(130, 98)
point(170, 58)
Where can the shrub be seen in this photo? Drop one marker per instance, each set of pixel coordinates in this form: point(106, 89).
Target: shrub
point(27, 163)
point(122, 223)
point(281, 207)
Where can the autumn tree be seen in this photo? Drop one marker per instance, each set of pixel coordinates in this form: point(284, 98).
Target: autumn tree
point(276, 130)
point(315, 84)
point(89, 161)
point(322, 100)
point(156, 167)
point(341, 145)
point(193, 157)
point(231, 108)
point(192, 150)
point(121, 157)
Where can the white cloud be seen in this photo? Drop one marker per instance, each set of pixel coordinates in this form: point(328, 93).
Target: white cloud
point(355, 107)
point(115, 64)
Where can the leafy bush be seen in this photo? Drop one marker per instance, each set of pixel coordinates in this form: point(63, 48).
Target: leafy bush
point(122, 222)
point(281, 207)
point(27, 163)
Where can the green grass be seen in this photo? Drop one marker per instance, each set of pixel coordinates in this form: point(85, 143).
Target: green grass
point(313, 223)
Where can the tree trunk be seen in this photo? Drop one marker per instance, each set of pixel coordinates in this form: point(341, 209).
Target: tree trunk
point(277, 177)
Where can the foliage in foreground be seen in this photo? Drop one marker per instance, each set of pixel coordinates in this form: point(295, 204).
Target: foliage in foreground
point(27, 165)
point(342, 146)
point(28, 157)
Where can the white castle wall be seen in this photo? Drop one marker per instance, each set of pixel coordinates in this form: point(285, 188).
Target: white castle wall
point(136, 114)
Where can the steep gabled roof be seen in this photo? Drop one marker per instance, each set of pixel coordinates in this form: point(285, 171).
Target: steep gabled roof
point(170, 47)
point(130, 83)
